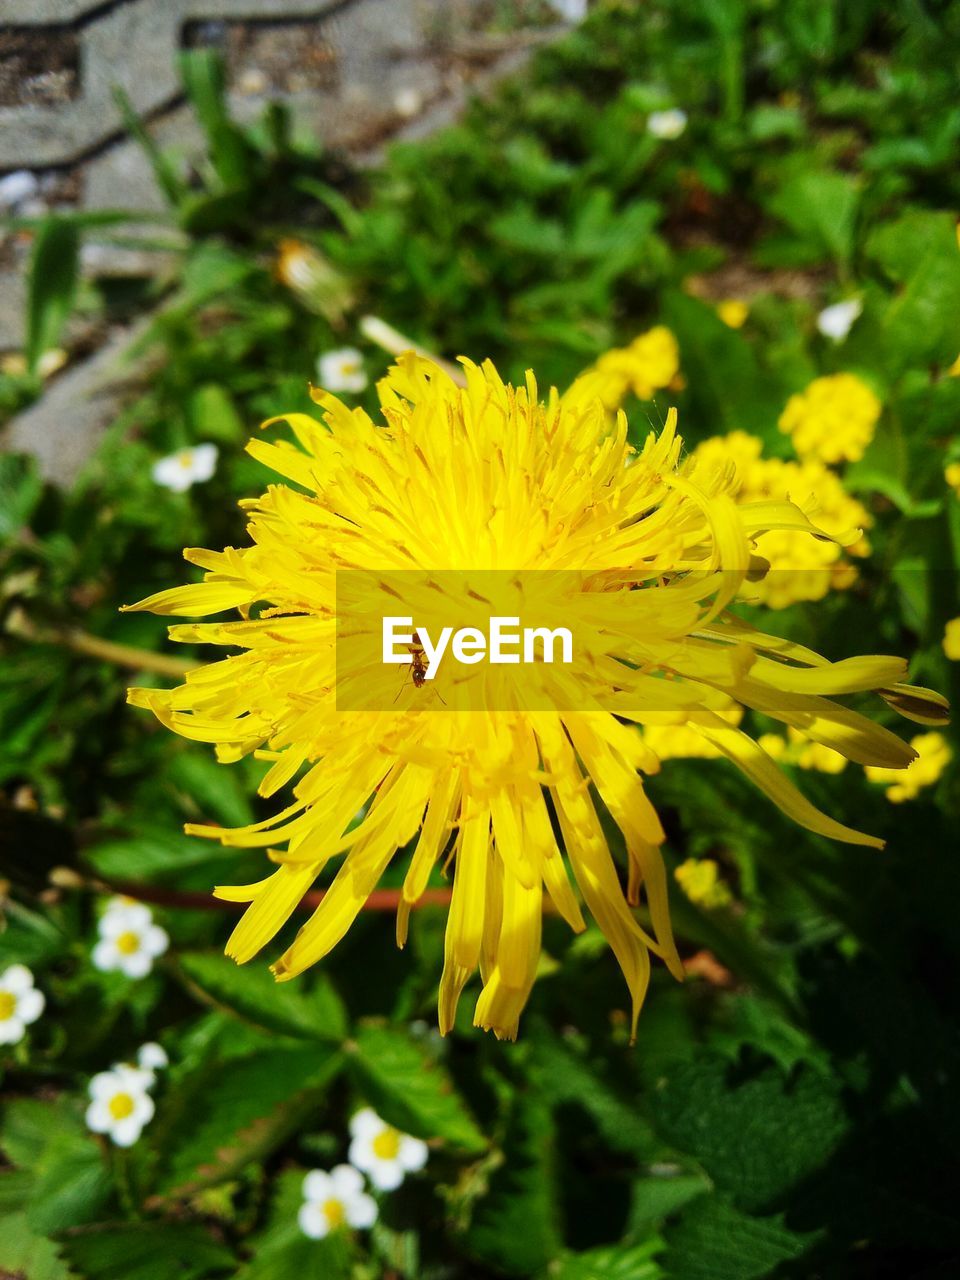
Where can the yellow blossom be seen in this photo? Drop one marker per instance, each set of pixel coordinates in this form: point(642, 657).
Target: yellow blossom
point(833, 419)
point(472, 479)
point(799, 750)
point(649, 364)
point(699, 878)
point(951, 640)
point(951, 474)
point(733, 312)
point(801, 567)
point(954, 370)
point(933, 756)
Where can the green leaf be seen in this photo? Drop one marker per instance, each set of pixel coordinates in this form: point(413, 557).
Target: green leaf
point(714, 1241)
point(411, 1090)
point(147, 1251)
point(153, 855)
point(215, 788)
point(20, 490)
point(25, 1254)
point(756, 1139)
point(251, 993)
point(618, 1262)
point(48, 1139)
point(164, 170)
point(514, 1228)
point(821, 206)
point(223, 1119)
point(51, 288)
point(920, 325)
point(282, 1252)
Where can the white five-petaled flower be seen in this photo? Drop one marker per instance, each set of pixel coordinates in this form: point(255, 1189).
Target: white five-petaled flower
point(129, 940)
point(335, 1199)
point(20, 1003)
point(384, 1154)
point(342, 370)
point(836, 321)
point(120, 1105)
point(178, 471)
point(667, 124)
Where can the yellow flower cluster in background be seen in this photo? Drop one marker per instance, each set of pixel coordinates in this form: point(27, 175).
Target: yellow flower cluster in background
point(699, 878)
point(649, 364)
point(951, 640)
point(833, 419)
point(799, 750)
point(800, 568)
point(933, 756)
point(680, 741)
point(952, 476)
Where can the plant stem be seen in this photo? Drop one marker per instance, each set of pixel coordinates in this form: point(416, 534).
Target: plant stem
point(396, 343)
point(120, 655)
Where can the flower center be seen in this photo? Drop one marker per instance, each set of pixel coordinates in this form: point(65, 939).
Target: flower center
point(128, 943)
point(121, 1106)
point(386, 1145)
point(185, 458)
point(333, 1211)
point(8, 1005)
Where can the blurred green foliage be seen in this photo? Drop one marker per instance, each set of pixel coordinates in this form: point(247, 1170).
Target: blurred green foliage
point(796, 1116)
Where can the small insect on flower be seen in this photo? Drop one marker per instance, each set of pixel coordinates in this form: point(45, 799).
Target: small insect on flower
point(384, 1154)
point(20, 1003)
point(129, 939)
point(120, 1104)
point(335, 1199)
point(178, 471)
point(342, 370)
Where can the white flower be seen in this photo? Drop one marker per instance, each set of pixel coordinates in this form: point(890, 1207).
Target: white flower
point(570, 10)
point(129, 940)
point(334, 1199)
point(836, 322)
point(20, 1003)
point(151, 1058)
point(17, 187)
point(178, 471)
point(120, 1105)
point(342, 370)
point(667, 124)
point(384, 1154)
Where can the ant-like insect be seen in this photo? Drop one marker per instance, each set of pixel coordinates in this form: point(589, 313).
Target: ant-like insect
point(418, 666)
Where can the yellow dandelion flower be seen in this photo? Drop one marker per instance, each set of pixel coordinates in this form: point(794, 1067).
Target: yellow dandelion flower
point(801, 567)
point(833, 420)
point(951, 640)
point(699, 878)
point(933, 754)
point(951, 474)
point(649, 364)
point(484, 478)
point(681, 741)
point(733, 312)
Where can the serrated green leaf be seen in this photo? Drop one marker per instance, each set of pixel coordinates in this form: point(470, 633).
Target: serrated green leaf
point(147, 1251)
point(152, 854)
point(309, 1009)
point(756, 1138)
point(714, 1241)
point(515, 1225)
point(228, 1118)
point(24, 1253)
point(72, 1187)
point(411, 1090)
